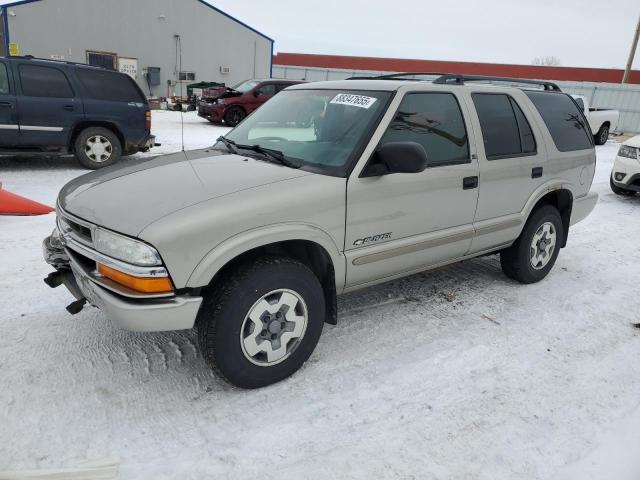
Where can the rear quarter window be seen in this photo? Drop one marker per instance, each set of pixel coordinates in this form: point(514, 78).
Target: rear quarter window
point(110, 86)
point(565, 121)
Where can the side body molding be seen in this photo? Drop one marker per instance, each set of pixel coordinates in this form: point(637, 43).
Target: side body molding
point(231, 248)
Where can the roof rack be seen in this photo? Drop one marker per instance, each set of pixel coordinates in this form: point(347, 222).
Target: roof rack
point(399, 76)
point(68, 62)
point(460, 79)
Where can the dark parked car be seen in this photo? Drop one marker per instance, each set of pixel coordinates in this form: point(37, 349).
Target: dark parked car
point(61, 108)
point(233, 104)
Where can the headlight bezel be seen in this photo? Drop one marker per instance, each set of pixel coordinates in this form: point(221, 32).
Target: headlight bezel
point(627, 151)
point(125, 249)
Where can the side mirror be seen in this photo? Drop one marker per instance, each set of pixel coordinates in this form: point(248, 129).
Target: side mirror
point(256, 93)
point(397, 157)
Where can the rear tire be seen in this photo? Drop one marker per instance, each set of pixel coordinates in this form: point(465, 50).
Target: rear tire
point(259, 323)
point(620, 191)
point(534, 253)
point(602, 136)
point(234, 116)
point(97, 147)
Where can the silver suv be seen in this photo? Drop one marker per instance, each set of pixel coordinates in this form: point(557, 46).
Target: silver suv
point(328, 188)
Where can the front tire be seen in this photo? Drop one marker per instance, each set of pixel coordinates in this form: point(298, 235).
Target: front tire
point(261, 322)
point(234, 116)
point(602, 136)
point(620, 191)
point(97, 147)
point(532, 256)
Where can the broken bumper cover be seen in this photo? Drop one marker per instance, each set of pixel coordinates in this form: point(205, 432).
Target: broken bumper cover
point(177, 312)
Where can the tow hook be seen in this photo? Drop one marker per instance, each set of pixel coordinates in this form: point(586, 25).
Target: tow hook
point(54, 279)
point(64, 276)
point(77, 306)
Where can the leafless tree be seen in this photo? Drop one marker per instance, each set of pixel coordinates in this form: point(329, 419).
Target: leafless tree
point(549, 61)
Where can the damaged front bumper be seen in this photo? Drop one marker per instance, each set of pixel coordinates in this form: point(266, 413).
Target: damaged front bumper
point(137, 313)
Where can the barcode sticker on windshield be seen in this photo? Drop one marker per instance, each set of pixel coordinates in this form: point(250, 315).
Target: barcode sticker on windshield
point(353, 100)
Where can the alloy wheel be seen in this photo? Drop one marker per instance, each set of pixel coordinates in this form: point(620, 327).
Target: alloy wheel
point(543, 244)
point(274, 327)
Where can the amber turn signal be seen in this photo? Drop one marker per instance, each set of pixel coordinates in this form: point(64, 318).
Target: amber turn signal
point(139, 284)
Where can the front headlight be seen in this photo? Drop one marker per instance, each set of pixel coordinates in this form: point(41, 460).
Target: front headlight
point(125, 248)
point(628, 152)
point(220, 101)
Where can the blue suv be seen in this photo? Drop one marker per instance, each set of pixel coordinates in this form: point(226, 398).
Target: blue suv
point(60, 108)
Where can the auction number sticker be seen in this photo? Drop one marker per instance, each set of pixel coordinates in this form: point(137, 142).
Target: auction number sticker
point(360, 101)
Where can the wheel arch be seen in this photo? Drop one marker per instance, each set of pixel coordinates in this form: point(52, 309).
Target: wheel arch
point(83, 125)
point(309, 245)
point(560, 197)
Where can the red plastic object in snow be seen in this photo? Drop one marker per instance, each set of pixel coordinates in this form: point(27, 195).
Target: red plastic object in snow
point(12, 204)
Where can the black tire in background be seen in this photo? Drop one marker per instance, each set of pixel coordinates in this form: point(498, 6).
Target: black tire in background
point(222, 321)
point(97, 147)
point(602, 136)
point(516, 261)
point(620, 191)
point(234, 116)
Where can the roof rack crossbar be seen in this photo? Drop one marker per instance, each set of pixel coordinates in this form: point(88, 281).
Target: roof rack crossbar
point(459, 79)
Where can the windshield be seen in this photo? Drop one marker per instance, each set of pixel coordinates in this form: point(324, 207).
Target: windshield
point(246, 86)
point(322, 130)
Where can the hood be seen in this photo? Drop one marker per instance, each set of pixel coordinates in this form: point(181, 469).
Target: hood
point(633, 142)
point(221, 92)
point(128, 197)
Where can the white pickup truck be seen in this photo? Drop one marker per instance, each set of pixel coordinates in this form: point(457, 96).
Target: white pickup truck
point(601, 120)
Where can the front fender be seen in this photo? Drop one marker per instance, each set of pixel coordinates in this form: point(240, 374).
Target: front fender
point(231, 248)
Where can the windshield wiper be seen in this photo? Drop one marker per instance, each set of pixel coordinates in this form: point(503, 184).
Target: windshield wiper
point(230, 144)
point(273, 155)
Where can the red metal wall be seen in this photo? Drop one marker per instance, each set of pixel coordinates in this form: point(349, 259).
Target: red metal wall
point(405, 65)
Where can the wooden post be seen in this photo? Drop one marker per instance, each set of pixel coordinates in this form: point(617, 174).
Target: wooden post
point(632, 53)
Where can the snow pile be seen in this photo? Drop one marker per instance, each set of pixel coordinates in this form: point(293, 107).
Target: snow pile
point(454, 373)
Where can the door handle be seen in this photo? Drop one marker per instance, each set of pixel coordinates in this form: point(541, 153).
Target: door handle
point(6, 104)
point(536, 172)
point(69, 108)
point(469, 183)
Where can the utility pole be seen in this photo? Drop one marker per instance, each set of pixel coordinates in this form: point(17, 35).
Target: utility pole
point(632, 53)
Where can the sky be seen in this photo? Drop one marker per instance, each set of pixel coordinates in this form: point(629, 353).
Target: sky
point(584, 33)
point(581, 33)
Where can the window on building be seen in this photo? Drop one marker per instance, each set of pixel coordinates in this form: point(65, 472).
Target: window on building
point(565, 121)
point(4, 79)
point(187, 76)
point(505, 129)
point(40, 81)
point(105, 85)
point(102, 59)
point(435, 121)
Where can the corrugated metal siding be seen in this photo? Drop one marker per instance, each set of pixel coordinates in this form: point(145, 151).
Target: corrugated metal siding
point(143, 29)
point(340, 62)
point(625, 98)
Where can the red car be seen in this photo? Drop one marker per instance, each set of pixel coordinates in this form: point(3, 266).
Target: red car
point(233, 104)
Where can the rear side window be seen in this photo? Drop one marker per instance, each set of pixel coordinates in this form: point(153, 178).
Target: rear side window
point(4, 79)
point(565, 121)
point(38, 81)
point(505, 130)
point(111, 86)
point(268, 89)
point(435, 121)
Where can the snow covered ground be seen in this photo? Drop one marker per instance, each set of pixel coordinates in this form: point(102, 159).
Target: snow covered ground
point(455, 373)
